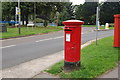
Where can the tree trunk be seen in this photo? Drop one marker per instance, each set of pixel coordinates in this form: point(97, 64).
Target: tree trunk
point(23, 20)
point(26, 19)
point(45, 23)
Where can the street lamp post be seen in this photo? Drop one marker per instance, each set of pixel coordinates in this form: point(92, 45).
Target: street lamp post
point(97, 23)
point(97, 20)
point(57, 17)
point(19, 17)
point(16, 8)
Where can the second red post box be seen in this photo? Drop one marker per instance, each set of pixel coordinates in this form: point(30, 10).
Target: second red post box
point(117, 30)
point(72, 44)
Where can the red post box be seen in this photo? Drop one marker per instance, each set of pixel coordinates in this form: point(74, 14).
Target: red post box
point(117, 30)
point(72, 44)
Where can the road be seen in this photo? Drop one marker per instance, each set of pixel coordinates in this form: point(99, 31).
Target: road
point(19, 50)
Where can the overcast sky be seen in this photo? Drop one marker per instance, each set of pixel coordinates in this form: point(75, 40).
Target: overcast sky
point(77, 2)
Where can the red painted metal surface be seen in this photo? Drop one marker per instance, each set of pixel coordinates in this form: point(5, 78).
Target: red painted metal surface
point(117, 30)
point(72, 40)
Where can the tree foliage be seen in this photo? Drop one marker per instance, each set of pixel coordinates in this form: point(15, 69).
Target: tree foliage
point(47, 11)
point(67, 13)
point(87, 12)
point(107, 12)
point(44, 10)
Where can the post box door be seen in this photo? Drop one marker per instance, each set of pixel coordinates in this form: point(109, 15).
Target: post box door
point(70, 52)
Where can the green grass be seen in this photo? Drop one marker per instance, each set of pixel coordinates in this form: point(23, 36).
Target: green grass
point(95, 60)
point(13, 32)
point(104, 27)
point(95, 26)
point(61, 26)
point(88, 25)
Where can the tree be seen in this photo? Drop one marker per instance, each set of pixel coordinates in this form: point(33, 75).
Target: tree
point(0, 11)
point(86, 12)
point(44, 10)
point(67, 13)
point(47, 10)
point(27, 9)
point(78, 10)
point(107, 12)
point(8, 11)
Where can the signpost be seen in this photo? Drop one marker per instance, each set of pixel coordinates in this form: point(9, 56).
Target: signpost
point(57, 14)
point(16, 9)
point(18, 12)
point(97, 20)
point(97, 23)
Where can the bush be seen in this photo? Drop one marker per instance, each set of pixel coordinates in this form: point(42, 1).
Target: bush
point(38, 20)
point(111, 24)
point(45, 23)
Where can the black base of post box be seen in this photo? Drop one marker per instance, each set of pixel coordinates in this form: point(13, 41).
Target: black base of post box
point(71, 66)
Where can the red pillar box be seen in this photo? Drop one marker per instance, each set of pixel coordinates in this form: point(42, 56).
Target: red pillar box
point(117, 30)
point(72, 44)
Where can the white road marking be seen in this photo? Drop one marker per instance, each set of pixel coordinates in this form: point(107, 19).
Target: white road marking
point(18, 38)
point(44, 40)
point(7, 46)
point(25, 37)
point(49, 39)
point(58, 37)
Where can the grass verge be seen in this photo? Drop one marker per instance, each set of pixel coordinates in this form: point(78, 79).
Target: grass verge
point(13, 32)
point(88, 25)
point(95, 26)
point(95, 60)
point(104, 27)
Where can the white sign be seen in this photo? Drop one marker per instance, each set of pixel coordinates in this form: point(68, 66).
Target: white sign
point(68, 37)
point(17, 10)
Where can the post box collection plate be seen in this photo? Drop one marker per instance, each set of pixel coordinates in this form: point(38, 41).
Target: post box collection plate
point(68, 37)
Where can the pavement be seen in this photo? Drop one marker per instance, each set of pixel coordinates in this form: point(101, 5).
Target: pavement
point(45, 75)
point(111, 73)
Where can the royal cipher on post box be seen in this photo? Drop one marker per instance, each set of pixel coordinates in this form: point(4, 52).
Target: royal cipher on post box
point(72, 43)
